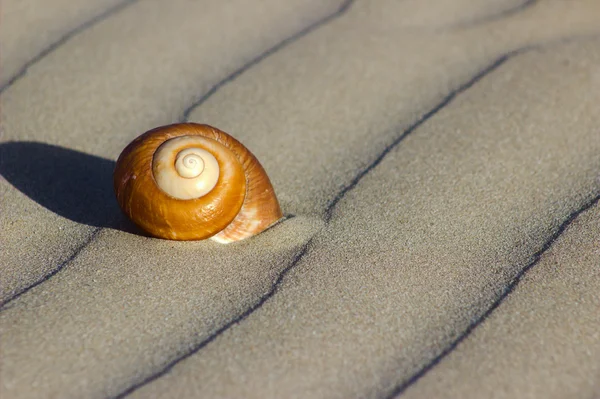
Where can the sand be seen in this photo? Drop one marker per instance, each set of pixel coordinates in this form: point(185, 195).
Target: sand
point(108, 93)
point(32, 28)
point(542, 341)
point(428, 155)
point(389, 283)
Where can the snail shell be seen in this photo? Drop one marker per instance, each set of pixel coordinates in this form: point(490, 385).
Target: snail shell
point(189, 182)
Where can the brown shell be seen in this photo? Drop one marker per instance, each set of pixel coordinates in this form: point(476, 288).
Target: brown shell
point(242, 203)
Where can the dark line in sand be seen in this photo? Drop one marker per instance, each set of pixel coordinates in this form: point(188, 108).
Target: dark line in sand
point(22, 72)
point(399, 390)
point(222, 329)
point(344, 7)
point(412, 128)
point(76, 253)
point(62, 40)
point(490, 18)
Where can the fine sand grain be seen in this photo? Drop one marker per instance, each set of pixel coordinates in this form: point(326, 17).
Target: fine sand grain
point(29, 29)
point(104, 327)
point(424, 243)
point(124, 76)
point(544, 340)
point(362, 80)
point(427, 154)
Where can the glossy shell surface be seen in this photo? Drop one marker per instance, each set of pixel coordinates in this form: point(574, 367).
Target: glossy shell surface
point(234, 201)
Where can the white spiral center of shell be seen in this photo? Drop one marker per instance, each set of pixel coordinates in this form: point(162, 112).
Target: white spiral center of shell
point(189, 163)
point(185, 174)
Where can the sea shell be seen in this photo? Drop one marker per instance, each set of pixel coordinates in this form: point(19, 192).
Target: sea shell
point(190, 182)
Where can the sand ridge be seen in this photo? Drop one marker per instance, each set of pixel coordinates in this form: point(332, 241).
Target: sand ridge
point(403, 232)
point(30, 29)
point(120, 103)
point(406, 277)
point(543, 318)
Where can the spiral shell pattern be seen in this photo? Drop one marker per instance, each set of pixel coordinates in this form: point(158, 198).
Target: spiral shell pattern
point(190, 182)
point(187, 173)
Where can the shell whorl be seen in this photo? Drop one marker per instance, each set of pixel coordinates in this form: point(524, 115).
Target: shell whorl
point(185, 170)
point(191, 181)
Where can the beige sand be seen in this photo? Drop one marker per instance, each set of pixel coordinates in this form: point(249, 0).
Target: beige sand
point(423, 244)
point(125, 75)
point(29, 27)
point(120, 320)
point(396, 269)
point(543, 341)
point(388, 77)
